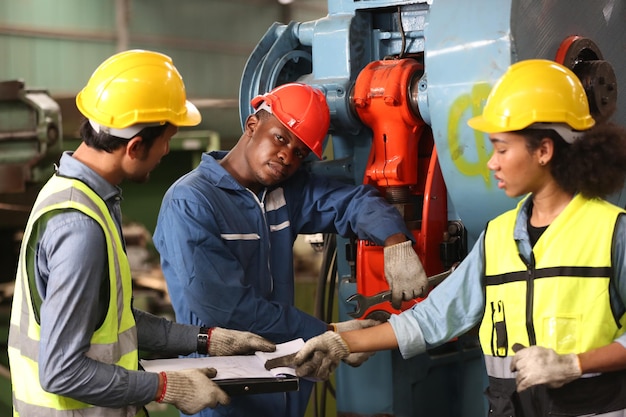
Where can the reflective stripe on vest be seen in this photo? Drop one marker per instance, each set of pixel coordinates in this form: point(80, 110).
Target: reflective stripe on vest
point(114, 342)
point(560, 300)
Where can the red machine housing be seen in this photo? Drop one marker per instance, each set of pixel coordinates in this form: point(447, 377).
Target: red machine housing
point(403, 166)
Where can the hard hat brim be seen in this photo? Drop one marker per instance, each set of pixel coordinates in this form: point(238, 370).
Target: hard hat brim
point(482, 125)
point(192, 118)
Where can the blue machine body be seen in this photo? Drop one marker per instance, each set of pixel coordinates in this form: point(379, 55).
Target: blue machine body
point(464, 46)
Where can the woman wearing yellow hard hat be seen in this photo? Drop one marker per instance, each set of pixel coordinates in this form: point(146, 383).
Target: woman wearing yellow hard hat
point(546, 281)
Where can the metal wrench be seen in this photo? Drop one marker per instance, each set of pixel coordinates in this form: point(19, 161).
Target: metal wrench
point(363, 302)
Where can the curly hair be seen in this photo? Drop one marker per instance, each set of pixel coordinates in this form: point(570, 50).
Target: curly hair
point(594, 166)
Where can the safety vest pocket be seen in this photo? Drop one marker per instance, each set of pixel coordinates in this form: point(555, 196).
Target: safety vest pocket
point(499, 335)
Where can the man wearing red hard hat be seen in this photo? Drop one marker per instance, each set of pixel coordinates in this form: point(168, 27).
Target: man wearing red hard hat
point(226, 231)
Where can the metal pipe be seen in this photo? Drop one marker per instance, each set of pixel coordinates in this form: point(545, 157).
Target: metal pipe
point(122, 17)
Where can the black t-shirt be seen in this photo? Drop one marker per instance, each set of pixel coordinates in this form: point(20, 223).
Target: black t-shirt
point(534, 233)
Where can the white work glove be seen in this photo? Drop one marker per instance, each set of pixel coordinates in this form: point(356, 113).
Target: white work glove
point(224, 342)
point(539, 365)
point(404, 273)
point(346, 326)
point(191, 390)
point(320, 355)
point(355, 359)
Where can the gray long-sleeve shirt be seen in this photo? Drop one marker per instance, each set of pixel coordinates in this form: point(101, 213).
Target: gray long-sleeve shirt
point(71, 272)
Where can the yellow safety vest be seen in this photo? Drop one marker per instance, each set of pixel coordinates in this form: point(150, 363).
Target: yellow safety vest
point(560, 300)
point(114, 342)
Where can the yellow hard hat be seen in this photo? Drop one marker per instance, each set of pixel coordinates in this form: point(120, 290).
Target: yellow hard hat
point(535, 91)
point(137, 87)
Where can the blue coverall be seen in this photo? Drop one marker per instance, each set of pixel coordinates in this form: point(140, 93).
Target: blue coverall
point(228, 260)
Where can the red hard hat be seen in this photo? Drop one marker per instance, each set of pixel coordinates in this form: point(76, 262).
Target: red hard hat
point(300, 108)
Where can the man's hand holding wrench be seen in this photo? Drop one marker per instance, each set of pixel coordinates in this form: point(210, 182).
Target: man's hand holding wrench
point(363, 302)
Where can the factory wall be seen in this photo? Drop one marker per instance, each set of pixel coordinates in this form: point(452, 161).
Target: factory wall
point(56, 44)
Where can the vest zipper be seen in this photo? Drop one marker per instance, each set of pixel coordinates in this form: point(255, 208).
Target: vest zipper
point(530, 296)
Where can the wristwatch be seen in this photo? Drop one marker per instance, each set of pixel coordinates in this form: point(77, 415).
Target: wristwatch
point(203, 341)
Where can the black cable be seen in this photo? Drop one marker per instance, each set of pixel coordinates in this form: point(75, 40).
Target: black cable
point(325, 268)
point(331, 279)
point(402, 37)
point(323, 310)
point(402, 34)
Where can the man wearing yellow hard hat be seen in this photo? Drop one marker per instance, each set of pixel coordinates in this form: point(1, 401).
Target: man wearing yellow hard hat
point(74, 335)
point(546, 281)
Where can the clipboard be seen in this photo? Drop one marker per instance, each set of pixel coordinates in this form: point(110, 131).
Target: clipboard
point(240, 375)
point(244, 386)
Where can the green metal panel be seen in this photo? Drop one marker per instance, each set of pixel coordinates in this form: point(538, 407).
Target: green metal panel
point(308, 10)
point(56, 44)
point(61, 14)
point(239, 23)
point(51, 42)
point(58, 65)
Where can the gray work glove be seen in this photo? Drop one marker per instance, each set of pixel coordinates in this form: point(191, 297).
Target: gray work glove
point(320, 356)
point(539, 365)
point(317, 367)
point(224, 342)
point(355, 359)
point(404, 273)
point(191, 390)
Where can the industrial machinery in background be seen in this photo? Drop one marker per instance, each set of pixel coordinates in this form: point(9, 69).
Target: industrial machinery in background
point(31, 141)
point(401, 79)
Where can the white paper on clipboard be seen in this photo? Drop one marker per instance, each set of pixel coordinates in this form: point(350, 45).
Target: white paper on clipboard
point(230, 367)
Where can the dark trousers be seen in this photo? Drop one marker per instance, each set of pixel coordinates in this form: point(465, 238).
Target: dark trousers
point(584, 396)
